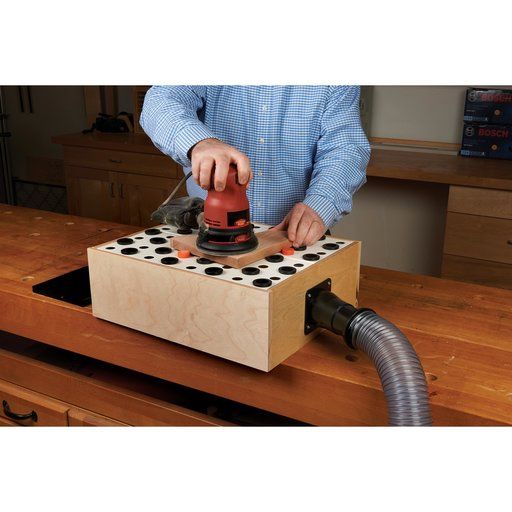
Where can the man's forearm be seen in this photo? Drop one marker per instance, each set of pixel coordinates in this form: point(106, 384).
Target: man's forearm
point(342, 155)
point(334, 182)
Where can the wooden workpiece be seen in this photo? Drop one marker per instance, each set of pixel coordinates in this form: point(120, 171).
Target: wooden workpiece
point(269, 242)
point(462, 333)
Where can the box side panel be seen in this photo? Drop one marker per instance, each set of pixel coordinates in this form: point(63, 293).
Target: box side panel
point(287, 307)
point(201, 312)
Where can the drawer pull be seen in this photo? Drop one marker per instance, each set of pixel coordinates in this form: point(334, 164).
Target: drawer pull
point(15, 416)
point(115, 160)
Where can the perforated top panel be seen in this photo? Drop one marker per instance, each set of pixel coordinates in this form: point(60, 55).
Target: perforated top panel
point(153, 246)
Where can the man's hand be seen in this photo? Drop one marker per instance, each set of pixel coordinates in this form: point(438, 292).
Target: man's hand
point(304, 225)
point(212, 154)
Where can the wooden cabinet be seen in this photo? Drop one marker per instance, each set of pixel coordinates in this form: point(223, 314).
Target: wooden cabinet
point(141, 196)
point(92, 193)
point(123, 182)
point(478, 236)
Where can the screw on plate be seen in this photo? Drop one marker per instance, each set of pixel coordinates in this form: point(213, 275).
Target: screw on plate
point(308, 327)
point(309, 295)
point(329, 282)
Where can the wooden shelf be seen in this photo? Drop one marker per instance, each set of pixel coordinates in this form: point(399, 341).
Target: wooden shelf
point(440, 168)
point(133, 142)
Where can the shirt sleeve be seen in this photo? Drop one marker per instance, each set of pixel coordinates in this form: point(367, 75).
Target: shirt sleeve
point(341, 158)
point(169, 117)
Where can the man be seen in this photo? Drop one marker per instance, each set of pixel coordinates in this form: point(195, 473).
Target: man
point(301, 148)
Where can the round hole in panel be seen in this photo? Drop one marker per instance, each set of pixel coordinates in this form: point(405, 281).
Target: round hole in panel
point(124, 241)
point(213, 271)
point(129, 251)
point(170, 260)
point(262, 282)
point(250, 271)
point(163, 250)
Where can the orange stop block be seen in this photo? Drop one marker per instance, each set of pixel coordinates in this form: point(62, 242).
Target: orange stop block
point(185, 253)
point(287, 251)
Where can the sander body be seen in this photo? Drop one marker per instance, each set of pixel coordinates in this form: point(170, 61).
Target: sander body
point(226, 226)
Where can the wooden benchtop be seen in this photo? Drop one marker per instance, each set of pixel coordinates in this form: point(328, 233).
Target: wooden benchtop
point(462, 332)
point(384, 163)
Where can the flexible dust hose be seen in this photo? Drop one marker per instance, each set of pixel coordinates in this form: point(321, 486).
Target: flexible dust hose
point(400, 371)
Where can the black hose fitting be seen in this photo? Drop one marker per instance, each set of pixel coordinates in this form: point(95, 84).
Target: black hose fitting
point(328, 311)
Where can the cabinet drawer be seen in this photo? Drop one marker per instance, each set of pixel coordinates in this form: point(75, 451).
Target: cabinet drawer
point(479, 201)
point(7, 423)
point(23, 401)
point(109, 401)
point(82, 418)
point(124, 161)
point(488, 273)
point(484, 238)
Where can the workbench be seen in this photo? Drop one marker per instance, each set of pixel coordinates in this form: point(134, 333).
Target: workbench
point(462, 333)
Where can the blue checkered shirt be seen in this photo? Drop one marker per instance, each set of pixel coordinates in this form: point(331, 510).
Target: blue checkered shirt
point(304, 143)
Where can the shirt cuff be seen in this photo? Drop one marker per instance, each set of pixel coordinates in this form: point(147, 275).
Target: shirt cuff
point(188, 137)
point(324, 208)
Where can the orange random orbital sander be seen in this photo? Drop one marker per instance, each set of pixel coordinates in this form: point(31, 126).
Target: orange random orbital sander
point(226, 226)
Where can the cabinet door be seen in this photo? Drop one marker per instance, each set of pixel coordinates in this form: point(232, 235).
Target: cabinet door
point(142, 195)
point(92, 193)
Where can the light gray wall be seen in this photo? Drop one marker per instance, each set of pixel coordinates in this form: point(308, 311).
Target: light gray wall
point(432, 113)
point(400, 223)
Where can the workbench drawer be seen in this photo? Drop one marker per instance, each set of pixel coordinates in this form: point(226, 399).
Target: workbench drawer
point(123, 161)
point(82, 418)
point(37, 410)
point(481, 201)
point(7, 423)
point(473, 236)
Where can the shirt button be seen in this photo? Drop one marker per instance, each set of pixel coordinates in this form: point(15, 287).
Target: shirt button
point(258, 204)
point(264, 108)
point(262, 140)
point(260, 174)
